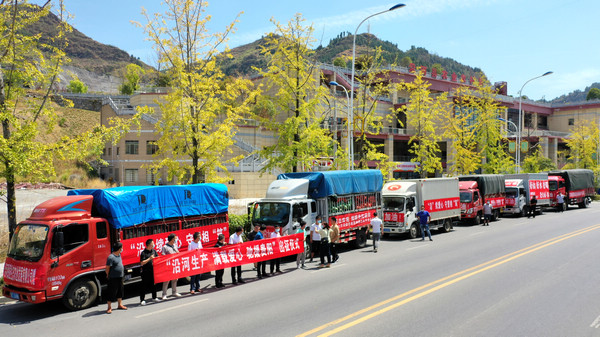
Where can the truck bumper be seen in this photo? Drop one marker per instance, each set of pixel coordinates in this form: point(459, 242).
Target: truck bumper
point(511, 210)
point(23, 295)
point(395, 230)
point(467, 215)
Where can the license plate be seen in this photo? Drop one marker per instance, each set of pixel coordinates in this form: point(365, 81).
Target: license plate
point(385, 230)
point(14, 296)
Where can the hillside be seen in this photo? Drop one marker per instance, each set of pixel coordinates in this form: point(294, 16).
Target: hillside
point(248, 56)
point(576, 96)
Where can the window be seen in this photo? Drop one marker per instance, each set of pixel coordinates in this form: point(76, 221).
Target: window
point(131, 147)
point(101, 231)
point(131, 175)
point(528, 120)
point(542, 122)
point(151, 147)
point(117, 150)
point(110, 151)
point(571, 121)
point(75, 236)
point(151, 177)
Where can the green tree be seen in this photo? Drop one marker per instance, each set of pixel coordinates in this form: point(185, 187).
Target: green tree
point(197, 119)
point(536, 162)
point(438, 67)
point(24, 119)
point(133, 73)
point(583, 146)
point(77, 87)
point(339, 62)
point(423, 113)
point(406, 61)
point(373, 85)
point(461, 129)
point(296, 99)
point(594, 93)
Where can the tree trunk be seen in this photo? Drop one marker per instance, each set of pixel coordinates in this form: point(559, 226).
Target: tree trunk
point(9, 175)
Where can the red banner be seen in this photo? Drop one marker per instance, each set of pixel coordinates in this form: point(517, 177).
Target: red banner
point(497, 202)
point(133, 247)
point(539, 188)
point(393, 217)
point(510, 201)
point(438, 205)
point(204, 260)
point(577, 194)
point(356, 219)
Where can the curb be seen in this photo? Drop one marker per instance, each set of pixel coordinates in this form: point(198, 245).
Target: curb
point(5, 300)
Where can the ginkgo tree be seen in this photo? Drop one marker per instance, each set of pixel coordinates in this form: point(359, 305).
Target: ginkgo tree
point(583, 145)
point(294, 101)
point(26, 65)
point(198, 118)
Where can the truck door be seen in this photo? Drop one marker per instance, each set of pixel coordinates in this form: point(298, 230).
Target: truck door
point(410, 210)
point(76, 256)
point(101, 246)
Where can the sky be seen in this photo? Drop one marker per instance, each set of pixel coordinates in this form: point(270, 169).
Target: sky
point(510, 40)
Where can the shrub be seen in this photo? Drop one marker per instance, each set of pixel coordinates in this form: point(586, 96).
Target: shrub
point(236, 221)
point(77, 87)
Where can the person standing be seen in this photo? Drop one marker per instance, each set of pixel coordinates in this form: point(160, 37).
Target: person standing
point(219, 273)
point(262, 265)
point(114, 273)
point(235, 239)
point(377, 226)
point(146, 260)
point(324, 250)
point(276, 262)
point(532, 207)
point(315, 237)
point(560, 200)
point(424, 218)
point(335, 239)
point(251, 237)
point(301, 258)
point(195, 279)
point(487, 213)
point(167, 249)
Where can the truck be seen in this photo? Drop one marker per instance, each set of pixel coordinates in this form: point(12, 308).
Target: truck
point(577, 187)
point(352, 196)
point(476, 190)
point(402, 199)
point(60, 251)
point(520, 188)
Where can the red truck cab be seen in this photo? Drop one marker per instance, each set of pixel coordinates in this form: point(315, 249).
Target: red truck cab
point(556, 184)
point(471, 203)
point(60, 251)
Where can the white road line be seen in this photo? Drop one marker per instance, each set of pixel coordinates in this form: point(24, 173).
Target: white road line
point(476, 233)
point(333, 266)
point(171, 308)
point(596, 323)
point(417, 247)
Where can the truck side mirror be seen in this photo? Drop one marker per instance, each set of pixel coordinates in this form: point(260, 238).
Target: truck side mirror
point(58, 241)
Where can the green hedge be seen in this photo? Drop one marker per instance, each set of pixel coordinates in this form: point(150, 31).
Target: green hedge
point(236, 221)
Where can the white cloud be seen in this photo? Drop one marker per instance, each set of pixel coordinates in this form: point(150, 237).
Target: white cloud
point(564, 83)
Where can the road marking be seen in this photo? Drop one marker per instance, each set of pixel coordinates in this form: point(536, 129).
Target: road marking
point(476, 233)
point(334, 266)
point(439, 284)
point(596, 323)
point(416, 247)
point(171, 308)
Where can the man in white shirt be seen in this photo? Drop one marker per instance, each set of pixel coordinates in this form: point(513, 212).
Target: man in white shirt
point(277, 261)
point(235, 239)
point(377, 226)
point(315, 238)
point(560, 200)
point(195, 279)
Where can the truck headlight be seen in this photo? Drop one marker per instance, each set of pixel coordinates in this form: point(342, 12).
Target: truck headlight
point(469, 211)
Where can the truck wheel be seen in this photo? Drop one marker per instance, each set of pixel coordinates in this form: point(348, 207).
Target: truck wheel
point(523, 212)
point(414, 231)
point(81, 294)
point(361, 239)
point(585, 203)
point(447, 226)
point(565, 206)
point(477, 220)
point(495, 215)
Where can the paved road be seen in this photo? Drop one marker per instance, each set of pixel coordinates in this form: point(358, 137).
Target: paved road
point(517, 277)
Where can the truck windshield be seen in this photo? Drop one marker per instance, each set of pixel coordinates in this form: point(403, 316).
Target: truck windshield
point(393, 203)
point(466, 197)
point(553, 185)
point(28, 242)
point(271, 213)
point(511, 192)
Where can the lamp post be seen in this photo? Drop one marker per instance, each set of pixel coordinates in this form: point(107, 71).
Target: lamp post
point(516, 130)
point(350, 159)
point(351, 117)
point(521, 120)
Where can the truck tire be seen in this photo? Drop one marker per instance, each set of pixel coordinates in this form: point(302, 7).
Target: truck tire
point(585, 203)
point(565, 206)
point(523, 212)
point(361, 239)
point(447, 226)
point(413, 232)
point(495, 215)
point(477, 220)
point(81, 294)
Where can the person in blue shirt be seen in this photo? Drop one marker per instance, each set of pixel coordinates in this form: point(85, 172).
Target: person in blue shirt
point(424, 218)
point(262, 265)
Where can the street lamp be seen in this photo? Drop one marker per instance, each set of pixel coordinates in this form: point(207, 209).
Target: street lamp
point(516, 130)
point(351, 117)
point(350, 159)
point(521, 120)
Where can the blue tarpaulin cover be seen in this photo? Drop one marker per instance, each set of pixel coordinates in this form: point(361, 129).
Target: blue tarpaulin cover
point(133, 205)
point(327, 183)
